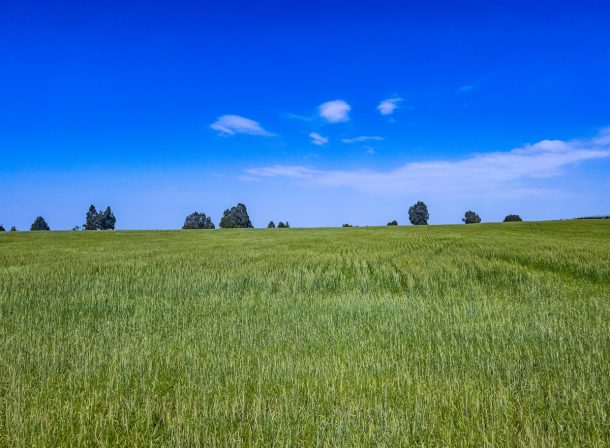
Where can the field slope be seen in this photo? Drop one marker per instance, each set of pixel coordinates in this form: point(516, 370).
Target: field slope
point(482, 335)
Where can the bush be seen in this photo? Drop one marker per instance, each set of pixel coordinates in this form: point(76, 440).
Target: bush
point(471, 217)
point(13, 229)
point(271, 225)
point(198, 221)
point(281, 225)
point(512, 218)
point(594, 217)
point(2, 228)
point(418, 214)
point(39, 224)
point(347, 225)
point(393, 223)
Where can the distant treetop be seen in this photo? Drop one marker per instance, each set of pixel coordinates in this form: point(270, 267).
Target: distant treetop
point(95, 220)
point(418, 214)
point(40, 224)
point(198, 220)
point(471, 217)
point(512, 218)
point(236, 217)
point(271, 225)
point(393, 223)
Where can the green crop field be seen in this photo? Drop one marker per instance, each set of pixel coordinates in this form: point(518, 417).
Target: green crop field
point(481, 335)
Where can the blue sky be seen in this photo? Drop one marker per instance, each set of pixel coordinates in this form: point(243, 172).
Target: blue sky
point(318, 113)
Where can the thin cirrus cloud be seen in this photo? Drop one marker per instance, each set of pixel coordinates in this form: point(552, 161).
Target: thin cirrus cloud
point(465, 89)
point(318, 139)
point(512, 173)
point(362, 138)
point(236, 124)
point(336, 111)
point(388, 106)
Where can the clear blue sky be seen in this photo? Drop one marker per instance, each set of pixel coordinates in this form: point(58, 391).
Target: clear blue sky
point(318, 113)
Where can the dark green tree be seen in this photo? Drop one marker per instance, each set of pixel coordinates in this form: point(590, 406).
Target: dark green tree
point(106, 220)
point(2, 228)
point(39, 224)
point(281, 225)
point(418, 214)
point(271, 225)
point(471, 217)
point(512, 218)
point(287, 225)
point(347, 225)
point(13, 229)
point(95, 220)
point(236, 217)
point(91, 219)
point(198, 220)
point(393, 223)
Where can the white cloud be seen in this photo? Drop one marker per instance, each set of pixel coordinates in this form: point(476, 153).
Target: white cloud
point(336, 111)
point(362, 138)
point(318, 139)
point(511, 173)
point(235, 124)
point(387, 107)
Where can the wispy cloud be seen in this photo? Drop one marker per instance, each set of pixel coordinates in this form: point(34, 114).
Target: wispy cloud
point(388, 106)
point(235, 124)
point(511, 173)
point(362, 138)
point(298, 117)
point(318, 139)
point(335, 111)
point(465, 89)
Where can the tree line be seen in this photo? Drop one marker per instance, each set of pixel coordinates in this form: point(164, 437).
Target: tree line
point(237, 218)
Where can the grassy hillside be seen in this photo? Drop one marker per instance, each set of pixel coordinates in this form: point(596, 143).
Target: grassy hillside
point(482, 335)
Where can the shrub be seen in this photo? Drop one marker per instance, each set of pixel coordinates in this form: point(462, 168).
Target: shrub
point(393, 223)
point(594, 217)
point(512, 218)
point(271, 225)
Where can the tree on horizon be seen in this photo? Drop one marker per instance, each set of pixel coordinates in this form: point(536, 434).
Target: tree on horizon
point(418, 214)
point(471, 217)
point(39, 224)
point(236, 217)
point(198, 221)
point(95, 220)
point(512, 218)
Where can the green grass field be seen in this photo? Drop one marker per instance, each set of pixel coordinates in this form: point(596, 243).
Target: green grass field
point(482, 335)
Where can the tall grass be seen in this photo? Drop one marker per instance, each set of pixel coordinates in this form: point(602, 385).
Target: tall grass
point(482, 335)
